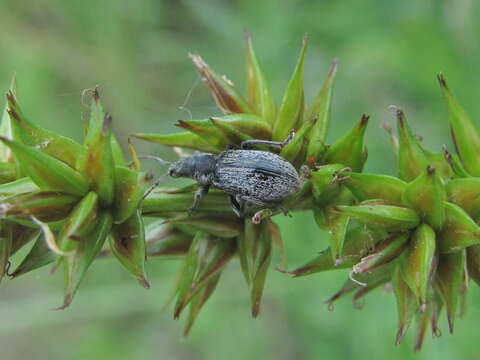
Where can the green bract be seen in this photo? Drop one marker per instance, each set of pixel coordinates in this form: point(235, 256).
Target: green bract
point(418, 232)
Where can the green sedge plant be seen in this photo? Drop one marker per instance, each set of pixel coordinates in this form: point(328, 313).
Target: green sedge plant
point(417, 233)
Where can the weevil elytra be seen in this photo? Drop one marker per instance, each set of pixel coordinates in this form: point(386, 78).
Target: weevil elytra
point(249, 176)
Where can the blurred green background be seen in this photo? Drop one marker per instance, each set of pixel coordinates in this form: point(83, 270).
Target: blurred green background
point(136, 51)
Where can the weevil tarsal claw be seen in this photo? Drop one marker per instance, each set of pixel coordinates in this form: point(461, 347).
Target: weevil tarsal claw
point(341, 175)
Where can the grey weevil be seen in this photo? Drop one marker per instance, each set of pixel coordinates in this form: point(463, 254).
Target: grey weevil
point(249, 176)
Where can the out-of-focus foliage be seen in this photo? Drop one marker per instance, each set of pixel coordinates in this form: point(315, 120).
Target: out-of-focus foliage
point(389, 53)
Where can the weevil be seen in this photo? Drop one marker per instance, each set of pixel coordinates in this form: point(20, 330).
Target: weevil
point(248, 176)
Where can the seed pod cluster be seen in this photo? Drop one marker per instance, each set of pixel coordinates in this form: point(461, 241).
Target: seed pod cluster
point(68, 198)
point(418, 233)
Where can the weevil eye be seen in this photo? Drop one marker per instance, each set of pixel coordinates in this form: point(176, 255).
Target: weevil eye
point(171, 172)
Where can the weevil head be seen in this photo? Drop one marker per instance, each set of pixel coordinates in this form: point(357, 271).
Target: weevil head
point(182, 168)
point(199, 167)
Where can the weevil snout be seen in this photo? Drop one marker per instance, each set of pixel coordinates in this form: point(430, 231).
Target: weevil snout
point(173, 170)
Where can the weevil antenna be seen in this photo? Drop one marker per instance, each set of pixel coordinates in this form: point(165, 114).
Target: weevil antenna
point(156, 158)
point(154, 185)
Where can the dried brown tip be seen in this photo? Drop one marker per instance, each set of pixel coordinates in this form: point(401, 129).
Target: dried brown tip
point(247, 35)
point(199, 63)
point(182, 124)
point(400, 334)
point(11, 99)
point(13, 114)
point(447, 154)
point(364, 120)
point(144, 282)
point(107, 122)
point(256, 309)
point(95, 94)
point(283, 271)
point(67, 300)
point(305, 39)
point(442, 81)
point(398, 113)
point(334, 66)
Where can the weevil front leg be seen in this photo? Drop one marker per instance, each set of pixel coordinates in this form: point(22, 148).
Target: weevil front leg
point(198, 195)
point(247, 144)
point(238, 206)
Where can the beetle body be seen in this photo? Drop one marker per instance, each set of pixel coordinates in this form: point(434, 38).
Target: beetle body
point(258, 177)
point(248, 176)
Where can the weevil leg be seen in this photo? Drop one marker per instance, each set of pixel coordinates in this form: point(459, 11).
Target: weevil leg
point(247, 144)
point(198, 195)
point(238, 206)
point(284, 211)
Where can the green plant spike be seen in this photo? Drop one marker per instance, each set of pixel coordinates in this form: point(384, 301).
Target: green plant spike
point(290, 113)
point(348, 150)
point(464, 132)
point(321, 111)
point(127, 242)
point(259, 95)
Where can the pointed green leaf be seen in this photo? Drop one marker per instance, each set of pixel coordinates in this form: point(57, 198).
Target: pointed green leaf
point(449, 278)
point(221, 225)
point(81, 221)
point(388, 217)
point(127, 242)
point(259, 93)
point(248, 124)
point(23, 131)
point(295, 150)
point(186, 140)
point(98, 163)
point(163, 239)
point(411, 157)
point(458, 171)
point(473, 262)
point(349, 150)
point(426, 194)
point(5, 247)
point(117, 152)
point(8, 171)
point(20, 186)
point(326, 183)
point(406, 304)
point(336, 224)
point(465, 133)
point(76, 265)
point(45, 205)
point(383, 253)
point(228, 100)
point(187, 275)
point(198, 301)
point(38, 256)
point(46, 171)
point(464, 192)
point(212, 256)
point(372, 186)
point(321, 110)
point(459, 231)
point(291, 110)
point(5, 124)
point(417, 262)
point(359, 242)
point(129, 189)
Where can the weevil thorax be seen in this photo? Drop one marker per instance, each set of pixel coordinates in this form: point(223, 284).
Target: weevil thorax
point(199, 167)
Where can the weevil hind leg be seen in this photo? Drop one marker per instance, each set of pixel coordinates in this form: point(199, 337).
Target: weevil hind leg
point(200, 193)
point(238, 206)
point(284, 211)
point(248, 144)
